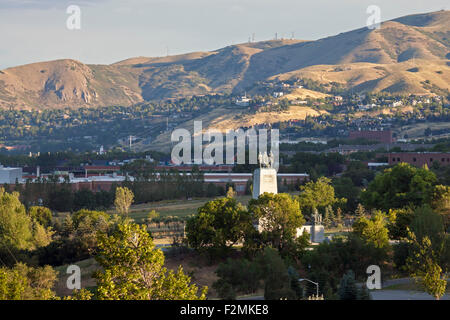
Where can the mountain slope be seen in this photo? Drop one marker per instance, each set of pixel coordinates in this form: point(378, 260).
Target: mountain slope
point(399, 58)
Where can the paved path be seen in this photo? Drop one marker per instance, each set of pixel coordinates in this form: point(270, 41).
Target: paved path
point(402, 295)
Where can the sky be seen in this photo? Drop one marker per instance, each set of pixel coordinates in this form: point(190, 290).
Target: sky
point(113, 30)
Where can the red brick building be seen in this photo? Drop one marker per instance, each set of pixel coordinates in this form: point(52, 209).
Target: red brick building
point(419, 158)
point(383, 136)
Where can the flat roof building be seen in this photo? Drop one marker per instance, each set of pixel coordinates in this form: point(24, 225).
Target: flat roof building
point(419, 158)
point(10, 175)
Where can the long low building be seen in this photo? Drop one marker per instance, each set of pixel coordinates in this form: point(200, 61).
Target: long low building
point(419, 158)
point(10, 175)
point(239, 180)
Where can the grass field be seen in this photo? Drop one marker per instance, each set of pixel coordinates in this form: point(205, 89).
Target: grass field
point(412, 286)
point(174, 208)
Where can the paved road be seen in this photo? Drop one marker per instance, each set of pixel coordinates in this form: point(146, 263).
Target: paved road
point(402, 295)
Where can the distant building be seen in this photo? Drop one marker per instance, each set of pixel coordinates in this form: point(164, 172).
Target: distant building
point(243, 101)
point(419, 158)
point(383, 136)
point(10, 175)
point(278, 94)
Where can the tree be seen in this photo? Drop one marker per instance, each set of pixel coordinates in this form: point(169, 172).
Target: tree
point(347, 288)
point(399, 222)
point(42, 215)
point(424, 266)
point(124, 200)
point(237, 276)
point(398, 187)
point(152, 215)
point(231, 193)
point(18, 231)
point(328, 217)
point(26, 283)
point(338, 218)
point(329, 261)
point(133, 269)
point(279, 217)
point(440, 202)
point(61, 200)
point(372, 230)
point(360, 211)
point(427, 223)
point(218, 225)
point(277, 283)
point(345, 189)
point(15, 224)
point(316, 195)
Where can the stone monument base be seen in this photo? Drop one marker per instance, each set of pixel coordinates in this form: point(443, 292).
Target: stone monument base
point(264, 180)
point(316, 232)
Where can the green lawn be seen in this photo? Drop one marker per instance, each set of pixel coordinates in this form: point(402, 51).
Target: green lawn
point(177, 208)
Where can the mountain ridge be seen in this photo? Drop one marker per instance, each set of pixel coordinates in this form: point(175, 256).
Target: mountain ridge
point(361, 59)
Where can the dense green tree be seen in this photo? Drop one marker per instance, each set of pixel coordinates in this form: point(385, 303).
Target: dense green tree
point(427, 223)
point(132, 269)
point(237, 276)
point(347, 287)
point(61, 200)
point(317, 195)
point(399, 222)
point(424, 265)
point(26, 283)
point(440, 202)
point(345, 189)
point(42, 215)
point(218, 225)
point(399, 187)
point(278, 217)
point(373, 230)
point(124, 199)
point(277, 283)
point(331, 260)
point(18, 231)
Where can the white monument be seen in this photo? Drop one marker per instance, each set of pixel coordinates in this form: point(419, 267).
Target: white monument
point(265, 178)
point(315, 229)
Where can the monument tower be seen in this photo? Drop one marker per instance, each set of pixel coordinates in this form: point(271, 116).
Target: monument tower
point(265, 178)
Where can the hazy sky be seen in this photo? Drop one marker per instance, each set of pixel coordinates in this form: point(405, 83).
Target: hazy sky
point(113, 30)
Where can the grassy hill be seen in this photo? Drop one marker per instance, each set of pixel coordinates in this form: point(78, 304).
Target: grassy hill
point(398, 58)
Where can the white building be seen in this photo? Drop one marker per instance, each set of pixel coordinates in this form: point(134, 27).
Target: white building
point(278, 94)
point(243, 101)
point(10, 175)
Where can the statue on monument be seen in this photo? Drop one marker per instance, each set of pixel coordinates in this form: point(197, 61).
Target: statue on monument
point(317, 218)
point(266, 161)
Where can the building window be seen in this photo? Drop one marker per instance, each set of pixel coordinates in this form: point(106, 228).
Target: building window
point(398, 159)
point(443, 159)
point(431, 159)
point(414, 159)
point(393, 159)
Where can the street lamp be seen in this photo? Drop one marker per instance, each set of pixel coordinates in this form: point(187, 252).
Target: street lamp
point(317, 285)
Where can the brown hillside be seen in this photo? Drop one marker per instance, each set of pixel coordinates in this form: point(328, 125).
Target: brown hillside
point(399, 58)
